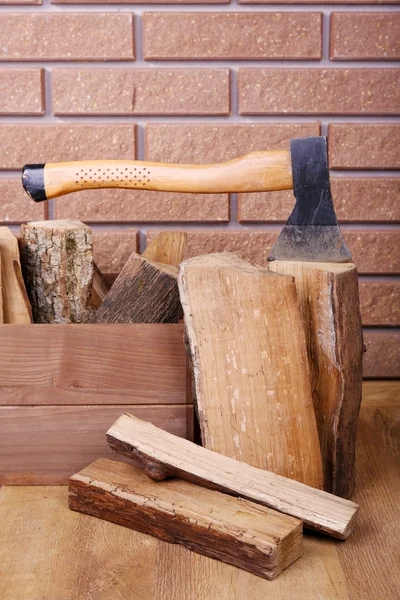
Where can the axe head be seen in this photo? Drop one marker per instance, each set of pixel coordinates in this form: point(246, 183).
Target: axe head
point(312, 232)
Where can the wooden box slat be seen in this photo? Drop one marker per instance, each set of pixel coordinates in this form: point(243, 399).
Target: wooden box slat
point(45, 445)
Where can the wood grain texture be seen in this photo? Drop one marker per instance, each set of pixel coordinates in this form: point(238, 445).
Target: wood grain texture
point(381, 394)
point(168, 247)
point(100, 288)
point(57, 262)
point(370, 559)
point(257, 171)
point(249, 354)
point(161, 455)
point(93, 364)
point(15, 302)
point(330, 307)
point(236, 531)
point(46, 445)
point(144, 292)
point(49, 552)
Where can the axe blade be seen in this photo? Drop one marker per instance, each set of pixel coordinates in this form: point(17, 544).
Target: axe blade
point(312, 232)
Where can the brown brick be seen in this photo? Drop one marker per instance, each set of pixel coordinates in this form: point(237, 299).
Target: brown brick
point(15, 204)
point(239, 36)
point(67, 36)
point(302, 2)
point(21, 144)
point(147, 2)
point(203, 143)
point(365, 36)
point(380, 302)
point(355, 198)
point(364, 146)
point(382, 359)
point(21, 92)
point(374, 251)
point(132, 206)
point(141, 91)
point(319, 91)
point(9, 2)
point(111, 249)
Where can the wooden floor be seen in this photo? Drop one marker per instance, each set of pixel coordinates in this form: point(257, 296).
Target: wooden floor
point(50, 553)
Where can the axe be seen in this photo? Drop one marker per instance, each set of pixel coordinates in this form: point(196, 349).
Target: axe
point(310, 247)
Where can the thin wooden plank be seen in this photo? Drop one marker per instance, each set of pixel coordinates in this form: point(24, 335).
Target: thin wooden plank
point(147, 362)
point(381, 394)
point(46, 445)
point(370, 558)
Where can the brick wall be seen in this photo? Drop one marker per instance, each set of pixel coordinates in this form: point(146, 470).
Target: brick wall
point(208, 82)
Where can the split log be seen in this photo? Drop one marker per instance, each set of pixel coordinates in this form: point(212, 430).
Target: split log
point(57, 262)
point(331, 311)
point(238, 532)
point(15, 303)
point(168, 247)
point(252, 381)
point(163, 454)
point(100, 288)
point(144, 292)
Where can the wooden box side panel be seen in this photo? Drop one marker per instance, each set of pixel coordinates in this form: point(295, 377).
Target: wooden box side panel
point(45, 445)
point(92, 364)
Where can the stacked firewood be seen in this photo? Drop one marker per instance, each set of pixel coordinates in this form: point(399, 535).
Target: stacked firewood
point(266, 465)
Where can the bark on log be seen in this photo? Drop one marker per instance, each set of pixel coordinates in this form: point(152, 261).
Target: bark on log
point(57, 262)
point(144, 292)
point(161, 454)
point(238, 532)
point(331, 312)
point(251, 371)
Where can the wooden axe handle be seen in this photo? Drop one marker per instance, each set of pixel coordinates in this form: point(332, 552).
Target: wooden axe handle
point(255, 172)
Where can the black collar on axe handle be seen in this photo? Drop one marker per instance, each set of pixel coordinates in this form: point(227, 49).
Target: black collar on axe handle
point(312, 232)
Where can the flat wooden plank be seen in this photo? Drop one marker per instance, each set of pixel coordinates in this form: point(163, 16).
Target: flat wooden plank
point(48, 552)
point(93, 364)
point(161, 454)
point(236, 531)
point(370, 558)
point(381, 394)
point(46, 445)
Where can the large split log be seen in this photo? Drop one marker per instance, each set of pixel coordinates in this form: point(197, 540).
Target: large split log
point(144, 292)
point(14, 299)
point(162, 454)
point(238, 532)
point(331, 310)
point(57, 260)
point(252, 381)
point(168, 247)
point(100, 287)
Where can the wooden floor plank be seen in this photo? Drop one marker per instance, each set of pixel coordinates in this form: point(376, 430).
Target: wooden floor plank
point(370, 557)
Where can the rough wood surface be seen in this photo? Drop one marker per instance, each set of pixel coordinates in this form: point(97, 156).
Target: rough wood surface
point(144, 292)
point(93, 364)
point(57, 261)
point(251, 374)
point(15, 303)
point(48, 551)
point(45, 445)
point(168, 247)
point(161, 455)
point(100, 288)
point(331, 311)
point(1, 296)
point(256, 539)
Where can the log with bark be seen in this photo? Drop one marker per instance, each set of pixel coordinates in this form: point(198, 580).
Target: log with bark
point(331, 312)
point(144, 292)
point(236, 531)
point(252, 381)
point(57, 260)
point(161, 454)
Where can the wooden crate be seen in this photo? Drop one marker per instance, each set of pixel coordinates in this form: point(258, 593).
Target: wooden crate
point(62, 386)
